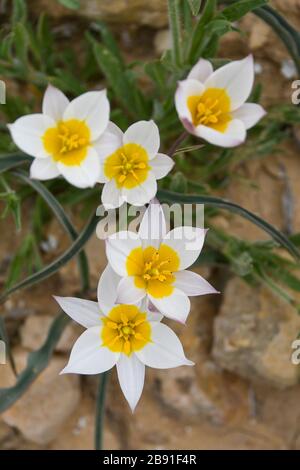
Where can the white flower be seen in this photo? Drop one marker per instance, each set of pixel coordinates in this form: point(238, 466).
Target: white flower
point(153, 263)
point(131, 164)
point(211, 105)
point(121, 335)
point(62, 139)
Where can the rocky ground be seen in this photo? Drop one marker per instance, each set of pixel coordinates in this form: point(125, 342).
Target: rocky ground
point(243, 392)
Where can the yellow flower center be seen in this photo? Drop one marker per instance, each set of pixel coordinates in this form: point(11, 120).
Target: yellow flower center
point(128, 165)
point(153, 269)
point(125, 329)
point(67, 142)
point(211, 109)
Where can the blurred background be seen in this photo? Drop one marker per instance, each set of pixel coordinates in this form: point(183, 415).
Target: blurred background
point(244, 391)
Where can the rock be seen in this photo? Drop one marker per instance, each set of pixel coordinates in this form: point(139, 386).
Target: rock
point(35, 330)
point(78, 431)
point(139, 12)
point(202, 391)
point(259, 36)
point(162, 41)
point(49, 402)
point(152, 428)
point(285, 424)
point(253, 335)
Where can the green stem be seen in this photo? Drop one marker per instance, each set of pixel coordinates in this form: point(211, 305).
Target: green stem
point(100, 410)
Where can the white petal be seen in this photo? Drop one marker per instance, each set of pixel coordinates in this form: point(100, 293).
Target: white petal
point(111, 196)
point(175, 306)
point(88, 356)
point(187, 242)
point(142, 194)
point(27, 133)
point(165, 351)
point(54, 103)
point(161, 165)
point(193, 284)
point(131, 375)
point(128, 293)
point(154, 316)
point(234, 135)
point(43, 169)
point(153, 225)
point(236, 78)
point(186, 88)
point(84, 175)
point(144, 133)
point(107, 289)
point(118, 247)
point(91, 107)
point(249, 114)
point(84, 312)
point(201, 70)
point(108, 142)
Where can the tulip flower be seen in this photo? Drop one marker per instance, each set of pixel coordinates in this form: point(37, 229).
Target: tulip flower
point(131, 164)
point(152, 264)
point(62, 139)
point(125, 336)
point(212, 104)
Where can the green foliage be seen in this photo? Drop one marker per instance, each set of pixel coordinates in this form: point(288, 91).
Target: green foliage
point(195, 6)
point(72, 4)
point(239, 9)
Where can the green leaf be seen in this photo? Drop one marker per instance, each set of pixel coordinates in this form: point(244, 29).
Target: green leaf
point(19, 12)
point(53, 267)
point(21, 41)
point(195, 6)
point(71, 4)
point(295, 238)
point(37, 362)
point(289, 39)
point(239, 9)
point(62, 218)
point(199, 32)
point(12, 160)
point(121, 81)
point(22, 257)
point(179, 183)
point(220, 203)
point(176, 32)
point(218, 26)
point(108, 39)
point(285, 277)
point(100, 409)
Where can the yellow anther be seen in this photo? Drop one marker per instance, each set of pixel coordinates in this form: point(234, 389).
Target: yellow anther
point(122, 178)
point(126, 330)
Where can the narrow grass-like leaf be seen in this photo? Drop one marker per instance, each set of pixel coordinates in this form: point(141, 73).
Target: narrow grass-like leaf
point(53, 267)
point(220, 203)
point(13, 160)
point(62, 218)
point(272, 18)
point(195, 6)
point(199, 31)
point(175, 26)
point(239, 9)
point(100, 410)
point(71, 4)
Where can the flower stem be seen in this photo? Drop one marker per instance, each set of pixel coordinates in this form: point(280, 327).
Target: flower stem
point(100, 410)
point(177, 142)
